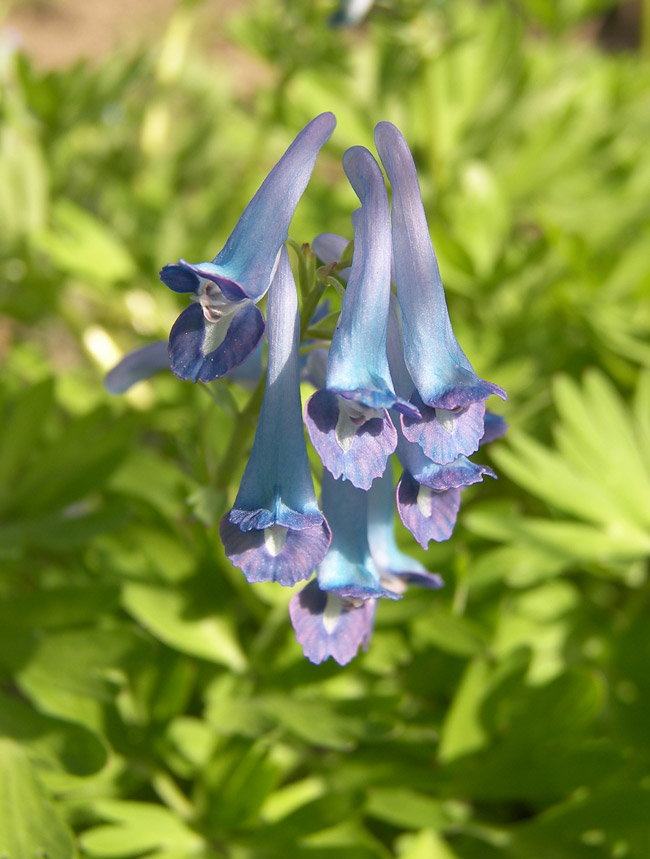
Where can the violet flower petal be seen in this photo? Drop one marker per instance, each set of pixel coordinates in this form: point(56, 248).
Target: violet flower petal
point(428, 514)
point(201, 351)
point(328, 626)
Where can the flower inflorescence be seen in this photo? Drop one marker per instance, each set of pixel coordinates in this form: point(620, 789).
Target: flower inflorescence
point(394, 380)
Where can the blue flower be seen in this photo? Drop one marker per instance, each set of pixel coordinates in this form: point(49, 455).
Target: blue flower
point(448, 393)
point(334, 614)
point(275, 531)
point(348, 421)
point(223, 325)
point(328, 624)
point(428, 492)
point(396, 570)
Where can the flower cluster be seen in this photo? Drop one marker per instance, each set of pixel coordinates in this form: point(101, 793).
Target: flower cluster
point(394, 381)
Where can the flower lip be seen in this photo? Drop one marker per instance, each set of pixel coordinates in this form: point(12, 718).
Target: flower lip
point(231, 290)
point(377, 400)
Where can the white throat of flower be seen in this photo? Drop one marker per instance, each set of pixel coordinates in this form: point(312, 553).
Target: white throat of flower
point(352, 415)
point(274, 539)
point(213, 302)
point(447, 417)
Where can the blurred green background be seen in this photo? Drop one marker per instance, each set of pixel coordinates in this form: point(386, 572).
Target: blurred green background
point(151, 702)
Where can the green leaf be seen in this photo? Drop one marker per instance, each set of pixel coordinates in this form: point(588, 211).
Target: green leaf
point(50, 740)
point(406, 808)
point(83, 246)
point(30, 826)
point(205, 632)
point(427, 844)
point(137, 828)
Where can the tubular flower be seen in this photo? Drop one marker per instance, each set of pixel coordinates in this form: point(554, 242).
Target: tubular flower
point(327, 624)
point(448, 393)
point(334, 614)
point(223, 326)
point(275, 531)
point(396, 570)
point(348, 421)
point(428, 493)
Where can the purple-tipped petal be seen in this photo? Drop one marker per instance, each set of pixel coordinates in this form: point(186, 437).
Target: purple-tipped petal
point(275, 553)
point(445, 435)
point(179, 278)
point(137, 366)
point(209, 271)
point(328, 626)
point(494, 427)
point(460, 472)
point(355, 453)
point(428, 515)
point(443, 376)
point(202, 351)
point(275, 532)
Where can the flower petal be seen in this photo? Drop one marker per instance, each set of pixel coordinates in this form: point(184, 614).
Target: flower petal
point(355, 453)
point(137, 366)
point(328, 626)
point(179, 278)
point(348, 569)
point(494, 427)
point(202, 351)
point(443, 376)
point(249, 255)
point(428, 515)
point(276, 553)
point(388, 558)
point(357, 360)
point(445, 435)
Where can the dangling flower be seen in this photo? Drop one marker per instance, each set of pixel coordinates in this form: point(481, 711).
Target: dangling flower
point(428, 493)
point(448, 393)
point(396, 570)
point(333, 615)
point(348, 421)
point(327, 624)
point(223, 325)
point(275, 531)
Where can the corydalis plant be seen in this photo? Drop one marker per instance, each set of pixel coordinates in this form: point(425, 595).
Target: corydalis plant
point(393, 380)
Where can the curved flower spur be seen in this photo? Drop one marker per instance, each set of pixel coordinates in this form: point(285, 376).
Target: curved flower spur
point(348, 421)
point(223, 326)
point(448, 393)
point(275, 531)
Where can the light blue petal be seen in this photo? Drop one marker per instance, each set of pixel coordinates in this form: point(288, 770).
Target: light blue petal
point(438, 366)
point(348, 569)
point(137, 366)
point(249, 255)
point(277, 476)
point(357, 358)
